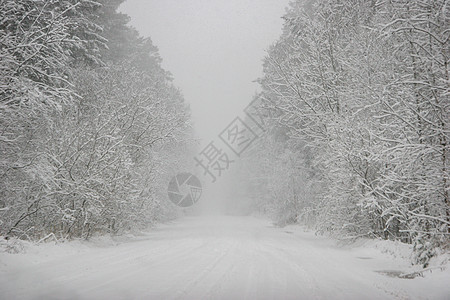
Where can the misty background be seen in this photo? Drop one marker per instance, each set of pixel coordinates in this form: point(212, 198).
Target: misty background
point(213, 48)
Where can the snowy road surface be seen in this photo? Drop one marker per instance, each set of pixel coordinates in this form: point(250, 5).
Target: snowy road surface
point(212, 258)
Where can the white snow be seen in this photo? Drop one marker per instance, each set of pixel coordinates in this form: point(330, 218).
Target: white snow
point(215, 258)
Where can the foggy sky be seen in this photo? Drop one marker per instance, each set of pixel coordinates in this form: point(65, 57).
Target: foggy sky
point(213, 48)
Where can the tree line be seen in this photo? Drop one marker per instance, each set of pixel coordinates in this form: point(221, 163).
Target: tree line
point(356, 98)
point(91, 125)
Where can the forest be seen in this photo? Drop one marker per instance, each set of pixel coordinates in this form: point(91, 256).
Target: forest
point(354, 98)
point(355, 106)
point(91, 125)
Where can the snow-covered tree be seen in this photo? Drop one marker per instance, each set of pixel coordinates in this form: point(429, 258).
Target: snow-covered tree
point(364, 85)
point(90, 121)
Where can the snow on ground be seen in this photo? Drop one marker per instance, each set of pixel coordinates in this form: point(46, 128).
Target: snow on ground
point(215, 258)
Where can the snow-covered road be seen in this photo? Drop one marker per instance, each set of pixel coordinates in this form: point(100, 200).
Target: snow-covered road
point(212, 258)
